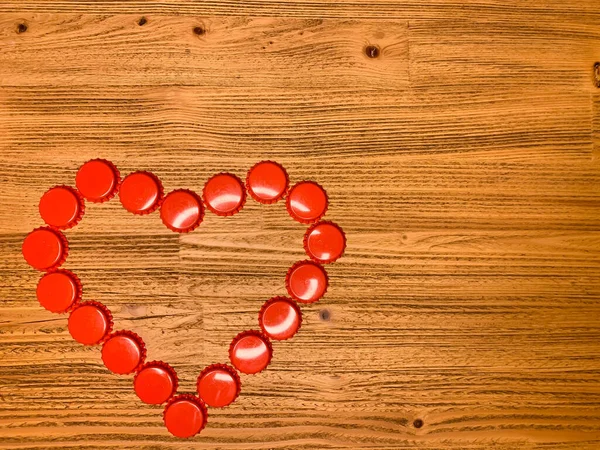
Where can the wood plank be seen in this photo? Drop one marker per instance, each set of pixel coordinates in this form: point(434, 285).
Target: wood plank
point(476, 196)
point(496, 53)
point(596, 126)
point(507, 124)
point(461, 163)
point(549, 10)
point(90, 50)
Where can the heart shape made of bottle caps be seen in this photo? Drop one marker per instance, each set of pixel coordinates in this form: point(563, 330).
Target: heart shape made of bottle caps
point(123, 352)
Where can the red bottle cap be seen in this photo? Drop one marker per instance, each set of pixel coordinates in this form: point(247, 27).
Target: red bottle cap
point(185, 416)
point(59, 291)
point(98, 180)
point(45, 248)
point(307, 202)
point(124, 352)
point(224, 194)
point(250, 352)
point(90, 323)
point(141, 192)
point(267, 182)
point(182, 211)
point(280, 318)
point(306, 281)
point(61, 207)
point(218, 385)
point(324, 242)
point(155, 383)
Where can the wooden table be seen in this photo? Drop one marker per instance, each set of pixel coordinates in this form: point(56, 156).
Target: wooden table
point(459, 143)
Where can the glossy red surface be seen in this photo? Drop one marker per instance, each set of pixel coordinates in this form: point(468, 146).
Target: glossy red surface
point(218, 385)
point(224, 194)
point(61, 207)
point(97, 180)
point(45, 248)
point(58, 291)
point(324, 242)
point(141, 192)
point(155, 383)
point(250, 352)
point(280, 318)
point(307, 202)
point(123, 352)
point(185, 416)
point(89, 323)
point(267, 182)
point(182, 211)
point(306, 281)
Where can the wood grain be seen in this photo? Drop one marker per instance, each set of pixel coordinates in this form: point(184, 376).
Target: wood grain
point(582, 10)
point(462, 163)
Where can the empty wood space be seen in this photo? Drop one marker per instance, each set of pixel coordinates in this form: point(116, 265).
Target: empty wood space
point(459, 143)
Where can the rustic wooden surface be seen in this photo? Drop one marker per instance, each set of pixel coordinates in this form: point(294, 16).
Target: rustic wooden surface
point(463, 163)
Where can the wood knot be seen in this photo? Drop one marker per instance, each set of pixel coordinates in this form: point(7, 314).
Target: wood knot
point(372, 51)
point(143, 21)
point(21, 28)
point(325, 315)
point(417, 423)
point(199, 31)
